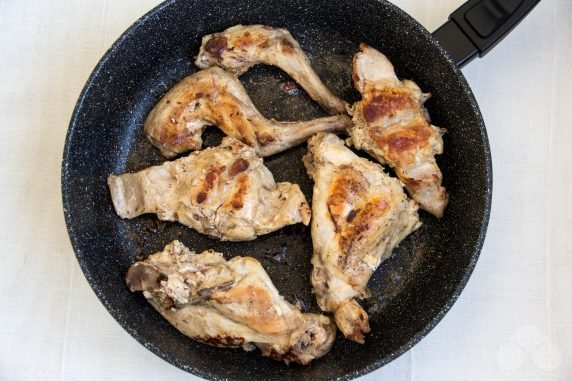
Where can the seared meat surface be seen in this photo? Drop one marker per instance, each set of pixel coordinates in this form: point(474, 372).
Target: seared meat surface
point(238, 48)
point(391, 124)
point(229, 304)
point(225, 192)
point(359, 215)
point(216, 97)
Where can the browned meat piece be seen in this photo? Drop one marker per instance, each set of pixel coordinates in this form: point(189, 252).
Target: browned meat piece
point(229, 304)
point(225, 192)
point(359, 215)
point(215, 97)
point(391, 124)
point(238, 48)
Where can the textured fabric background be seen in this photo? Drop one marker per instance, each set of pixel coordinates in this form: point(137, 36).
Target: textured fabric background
point(514, 319)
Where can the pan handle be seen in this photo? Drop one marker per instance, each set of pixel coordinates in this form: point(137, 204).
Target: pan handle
point(478, 25)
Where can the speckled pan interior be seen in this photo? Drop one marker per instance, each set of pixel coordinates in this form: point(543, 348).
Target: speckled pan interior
point(411, 291)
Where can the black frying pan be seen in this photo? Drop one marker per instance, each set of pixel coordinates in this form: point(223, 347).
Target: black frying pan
point(411, 291)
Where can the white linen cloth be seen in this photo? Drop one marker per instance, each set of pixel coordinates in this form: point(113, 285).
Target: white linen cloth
point(512, 322)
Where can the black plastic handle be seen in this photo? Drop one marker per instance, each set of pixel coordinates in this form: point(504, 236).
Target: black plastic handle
point(478, 25)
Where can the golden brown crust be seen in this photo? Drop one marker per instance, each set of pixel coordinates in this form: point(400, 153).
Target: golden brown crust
point(210, 181)
point(263, 316)
point(359, 223)
point(348, 188)
point(381, 104)
point(239, 165)
point(345, 187)
point(238, 197)
point(216, 46)
point(401, 143)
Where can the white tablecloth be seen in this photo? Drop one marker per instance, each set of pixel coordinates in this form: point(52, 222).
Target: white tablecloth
point(512, 322)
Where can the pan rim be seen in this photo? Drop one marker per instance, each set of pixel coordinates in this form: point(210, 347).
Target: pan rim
point(117, 314)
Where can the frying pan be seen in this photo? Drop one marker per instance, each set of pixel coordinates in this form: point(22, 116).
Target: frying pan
point(410, 292)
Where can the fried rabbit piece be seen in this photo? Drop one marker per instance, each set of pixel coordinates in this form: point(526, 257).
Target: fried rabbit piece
point(391, 124)
point(242, 46)
point(229, 304)
point(359, 215)
point(215, 97)
point(225, 192)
